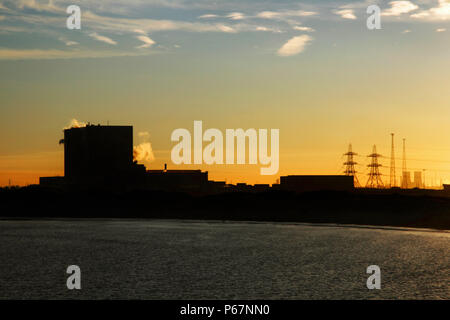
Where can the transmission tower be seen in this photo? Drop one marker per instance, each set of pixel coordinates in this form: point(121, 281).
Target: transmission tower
point(392, 176)
point(374, 175)
point(350, 166)
point(404, 180)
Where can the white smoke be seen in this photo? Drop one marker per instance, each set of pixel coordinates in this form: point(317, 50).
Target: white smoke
point(74, 123)
point(143, 151)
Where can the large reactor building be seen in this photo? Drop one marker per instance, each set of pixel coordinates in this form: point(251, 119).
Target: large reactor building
point(95, 152)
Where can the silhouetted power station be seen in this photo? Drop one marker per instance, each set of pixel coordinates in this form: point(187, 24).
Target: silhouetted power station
point(97, 156)
point(102, 157)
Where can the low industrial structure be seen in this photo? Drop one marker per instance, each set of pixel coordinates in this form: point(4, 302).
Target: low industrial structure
point(307, 183)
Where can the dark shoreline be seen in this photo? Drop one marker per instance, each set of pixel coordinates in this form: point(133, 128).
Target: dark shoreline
point(332, 207)
point(193, 221)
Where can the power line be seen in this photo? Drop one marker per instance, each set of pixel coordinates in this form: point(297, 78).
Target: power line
point(415, 159)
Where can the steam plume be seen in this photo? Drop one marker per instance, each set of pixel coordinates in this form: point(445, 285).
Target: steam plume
point(143, 151)
point(74, 123)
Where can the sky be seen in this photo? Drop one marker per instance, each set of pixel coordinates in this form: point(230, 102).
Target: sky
point(311, 69)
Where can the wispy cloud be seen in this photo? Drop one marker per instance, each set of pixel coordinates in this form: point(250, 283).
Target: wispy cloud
point(67, 42)
point(301, 28)
point(287, 16)
point(120, 25)
point(285, 13)
point(441, 12)
point(236, 16)
point(268, 29)
point(37, 54)
point(441, 30)
point(399, 7)
point(208, 16)
point(346, 14)
point(139, 31)
point(147, 42)
point(225, 28)
point(101, 38)
point(294, 45)
point(37, 5)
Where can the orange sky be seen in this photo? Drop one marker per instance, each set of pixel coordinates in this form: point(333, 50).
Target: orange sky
point(345, 84)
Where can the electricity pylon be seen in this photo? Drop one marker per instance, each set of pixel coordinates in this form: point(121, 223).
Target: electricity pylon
point(392, 175)
point(374, 180)
point(350, 166)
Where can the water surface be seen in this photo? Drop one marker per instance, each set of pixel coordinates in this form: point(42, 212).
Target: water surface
point(158, 259)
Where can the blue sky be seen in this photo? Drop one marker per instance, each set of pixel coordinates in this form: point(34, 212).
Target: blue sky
point(33, 29)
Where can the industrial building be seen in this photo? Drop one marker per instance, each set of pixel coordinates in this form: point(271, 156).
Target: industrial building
point(177, 180)
point(102, 156)
point(446, 188)
point(305, 183)
point(93, 153)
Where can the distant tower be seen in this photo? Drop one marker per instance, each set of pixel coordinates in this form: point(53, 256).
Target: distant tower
point(374, 175)
point(404, 178)
point(418, 179)
point(423, 177)
point(350, 166)
point(392, 175)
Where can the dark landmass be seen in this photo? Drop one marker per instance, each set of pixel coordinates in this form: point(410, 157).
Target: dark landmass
point(363, 208)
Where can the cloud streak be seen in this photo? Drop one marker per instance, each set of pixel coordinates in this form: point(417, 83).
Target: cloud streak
point(104, 39)
point(346, 14)
point(208, 16)
point(50, 54)
point(301, 28)
point(439, 13)
point(278, 15)
point(294, 46)
point(399, 7)
point(147, 42)
point(236, 16)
